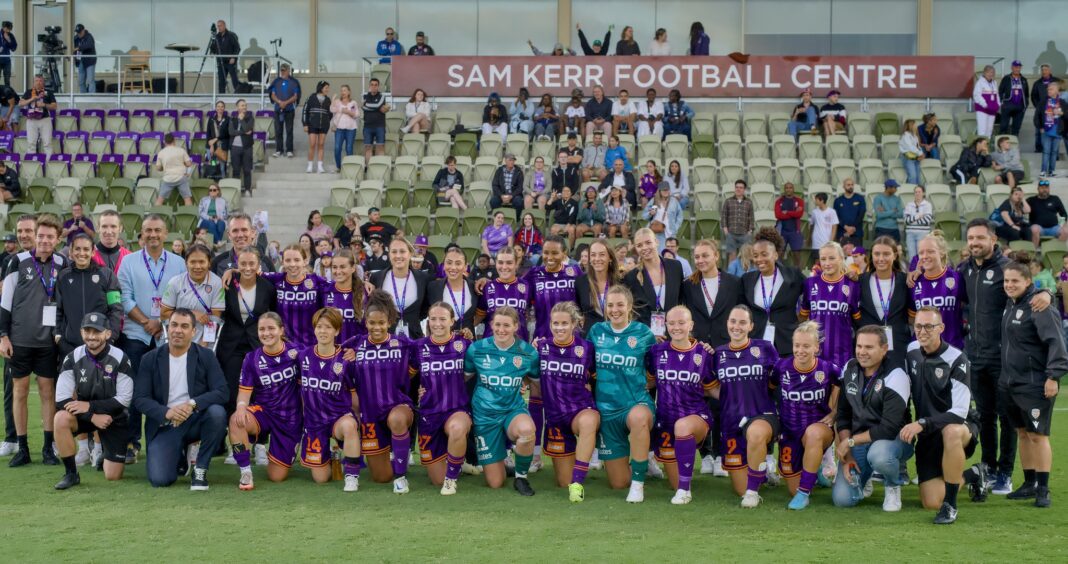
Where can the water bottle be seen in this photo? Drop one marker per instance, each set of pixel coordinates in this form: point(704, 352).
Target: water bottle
point(856, 488)
point(335, 464)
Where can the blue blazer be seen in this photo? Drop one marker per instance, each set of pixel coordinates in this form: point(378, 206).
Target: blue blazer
point(151, 387)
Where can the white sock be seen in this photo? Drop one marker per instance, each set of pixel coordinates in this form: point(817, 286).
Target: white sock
point(83, 444)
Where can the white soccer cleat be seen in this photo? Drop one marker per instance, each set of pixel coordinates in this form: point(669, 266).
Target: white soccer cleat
point(869, 487)
point(892, 499)
point(83, 457)
point(535, 465)
point(260, 454)
point(352, 483)
point(448, 487)
point(595, 461)
point(97, 455)
point(773, 477)
point(708, 464)
point(719, 472)
point(7, 449)
point(400, 485)
point(750, 499)
point(654, 470)
point(245, 482)
point(230, 459)
point(682, 497)
point(471, 469)
point(637, 492)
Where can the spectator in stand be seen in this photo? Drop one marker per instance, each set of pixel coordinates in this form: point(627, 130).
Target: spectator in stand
point(908, 146)
point(918, 217)
point(318, 230)
point(241, 127)
point(650, 115)
point(285, 93)
point(36, 106)
point(616, 152)
point(680, 185)
point(343, 237)
point(213, 213)
point(743, 263)
point(1013, 94)
point(598, 113)
point(650, 183)
point(345, 113)
point(521, 113)
point(789, 209)
point(738, 220)
point(621, 178)
point(449, 185)
point(9, 108)
point(805, 117)
point(617, 214)
point(558, 50)
point(1012, 217)
point(529, 238)
point(226, 48)
point(374, 120)
point(421, 48)
point(494, 117)
point(564, 174)
point(623, 114)
point(626, 44)
point(823, 219)
point(8, 44)
point(1039, 94)
point(698, 39)
point(850, 209)
point(375, 226)
point(508, 186)
point(378, 259)
point(593, 166)
point(497, 235)
point(219, 133)
point(672, 244)
point(677, 115)
point(316, 120)
point(663, 214)
point(974, 157)
point(929, 136)
point(660, 45)
point(1007, 158)
point(564, 208)
point(1052, 126)
point(417, 112)
point(574, 152)
point(987, 105)
point(1046, 211)
point(833, 115)
point(888, 210)
point(10, 188)
point(575, 116)
point(600, 47)
point(389, 47)
point(85, 58)
point(173, 161)
point(546, 119)
point(78, 223)
point(590, 215)
point(536, 182)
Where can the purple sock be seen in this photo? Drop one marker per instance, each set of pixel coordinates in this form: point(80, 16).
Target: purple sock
point(401, 444)
point(755, 479)
point(578, 473)
point(243, 456)
point(808, 481)
point(685, 454)
point(537, 413)
point(453, 465)
point(351, 465)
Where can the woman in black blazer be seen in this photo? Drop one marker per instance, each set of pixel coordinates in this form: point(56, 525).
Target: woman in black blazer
point(883, 287)
point(772, 290)
point(219, 132)
point(239, 335)
point(655, 283)
point(591, 287)
point(710, 294)
point(408, 288)
point(455, 289)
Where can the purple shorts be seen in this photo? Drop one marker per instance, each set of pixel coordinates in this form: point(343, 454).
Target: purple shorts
point(315, 446)
point(791, 455)
point(433, 442)
point(664, 433)
point(560, 441)
point(284, 435)
point(375, 438)
point(734, 457)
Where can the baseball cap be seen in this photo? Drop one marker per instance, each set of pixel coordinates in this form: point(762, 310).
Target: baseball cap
point(833, 93)
point(509, 157)
point(420, 34)
point(858, 250)
point(375, 237)
point(372, 210)
point(1017, 64)
point(11, 239)
point(422, 241)
point(891, 183)
point(596, 42)
point(806, 91)
point(78, 28)
point(558, 46)
point(95, 321)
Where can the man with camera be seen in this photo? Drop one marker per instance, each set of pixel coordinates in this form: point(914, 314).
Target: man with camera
point(85, 55)
point(226, 46)
point(37, 105)
point(8, 44)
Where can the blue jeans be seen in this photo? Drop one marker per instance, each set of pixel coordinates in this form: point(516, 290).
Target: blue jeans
point(1050, 147)
point(912, 241)
point(883, 456)
point(796, 127)
point(912, 170)
point(216, 227)
point(166, 448)
point(134, 349)
point(934, 154)
point(346, 138)
point(87, 78)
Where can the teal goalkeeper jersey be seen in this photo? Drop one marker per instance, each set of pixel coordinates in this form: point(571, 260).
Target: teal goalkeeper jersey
point(621, 382)
point(500, 376)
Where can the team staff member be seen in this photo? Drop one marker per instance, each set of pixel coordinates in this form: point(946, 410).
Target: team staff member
point(246, 300)
point(771, 291)
point(94, 401)
point(25, 230)
point(27, 333)
point(655, 283)
point(884, 296)
point(109, 252)
point(83, 288)
point(242, 234)
point(591, 289)
point(1033, 360)
point(456, 290)
point(406, 286)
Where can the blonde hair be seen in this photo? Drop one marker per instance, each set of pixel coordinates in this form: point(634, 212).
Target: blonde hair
point(569, 308)
point(622, 291)
point(811, 328)
point(940, 244)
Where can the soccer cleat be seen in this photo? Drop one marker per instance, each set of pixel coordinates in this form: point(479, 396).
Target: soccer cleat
point(96, 455)
point(448, 487)
point(191, 454)
point(21, 458)
point(773, 477)
point(535, 465)
point(1042, 497)
point(595, 463)
point(869, 488)
point(83, 457)
point(230, 459)
point(1025, 491)
point(682, 497)
point(654, 470)
point(947, 515)
point(799, 502)
point(636, 493)
point(708, 464)
point(199, 483)
point(750, 499)
point(892, 499)
point(976, 480)
point(718, 471)
point(260, 454)
point(576, 492)
point(7, 449)
point(352, 483)
point(400, 485)
point(413, 459)
point(1002, 484)
point(471, 469)
point(522, 485)
point(990, 476)
point(245, 482)
point(70, 479)
point(131, 454)
point(48, 456)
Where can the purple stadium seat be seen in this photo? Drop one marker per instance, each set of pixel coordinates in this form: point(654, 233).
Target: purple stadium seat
point(259, 136)
point(130, 135)
point(61, 157)
point(183, 137)
point(119, 112)
point(11, 157)
point(138, 158)
point(7, 141)
point(78, 135)
point(111, 158)
point(58, 136)
point(265, 113)
point(22, 134)
point(172, 113)
point(73, 112)
point(85, 158)
point(38, 157)
point(197, 135)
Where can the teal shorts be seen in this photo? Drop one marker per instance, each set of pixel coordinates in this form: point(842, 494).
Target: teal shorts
point(491, 436)
point(615, 436)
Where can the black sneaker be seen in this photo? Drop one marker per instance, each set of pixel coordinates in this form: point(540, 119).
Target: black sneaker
point(21, 458)
point(977, 485)
point(1025, 491)
point(100, 464)
point(48, 456)
point(1042, 497)
point(131, 455)
point(183, 464)
point(69, 480)
point(522, 485)
point(946, 516)
point(199, 483)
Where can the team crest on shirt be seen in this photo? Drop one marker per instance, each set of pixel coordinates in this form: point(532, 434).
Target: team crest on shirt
point(569, 271)
point(845, 290)
point(96, 278)
point(878, 385)
point(950, 283)
point(1019, 313)
point(579, 350)
point(697, 360)
point(990, 275)
point(458, 346)
point(755, 352)
point(394, 343)
point(338, 368)
point(518, 362)
point(632, 342)
point(292, 353)
point(939, 374)
point(1035, 413)
point(820, 377)
point(521, 287)
point(309, 284)
point(109, 369)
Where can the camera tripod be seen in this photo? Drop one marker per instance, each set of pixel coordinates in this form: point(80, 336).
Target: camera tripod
point(50, 73)
point(207, 53)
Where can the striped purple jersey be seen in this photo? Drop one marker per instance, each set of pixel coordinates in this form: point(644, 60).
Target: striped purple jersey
point(382, 376)
point(342, 301)
point(549, 289)
point(297, 303)
point(441, 374)
point(565, 372)
point(273, 381)
point(943, 292)
point(804, 395)
point(681, 376)
point(834, 304)
point(325, 387)
point(497, 293)
point(744, 377)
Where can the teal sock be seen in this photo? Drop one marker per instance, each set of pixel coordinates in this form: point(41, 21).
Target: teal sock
point(522, 464)
point(638, 468)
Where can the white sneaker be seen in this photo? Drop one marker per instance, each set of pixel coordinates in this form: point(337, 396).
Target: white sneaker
point(260, 452)
point(774, 479)
point(276, 154)
point(654, 470)
point(245, 482)
point(405, 129)
point(96, 455)
point(412, 460)
point(869, 487)
point(708, 464)
point(320, 169)
point(83, 457)
point(892, 499)
point(311, 167)
point(289, 154)
point(595, 461)
point(471, 469)
point(448, 487)
point(535, 465)
point(7, 449)
point(400, 486)
point(352, 483)
point(191, 454)
point(750, 499)
point(719, 472)
point(637, 492)
point(682, 497)
point(230, 459)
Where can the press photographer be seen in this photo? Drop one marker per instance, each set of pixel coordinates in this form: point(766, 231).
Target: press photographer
point(225, 44)
point(85, 58)
point(8, 44)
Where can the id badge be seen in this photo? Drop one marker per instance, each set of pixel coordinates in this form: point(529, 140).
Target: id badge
point(769, 333)
point(657, 324)
point(211, 332)
point(48, 316)
point(157, 306)
point(402, 329)
point(889, 337)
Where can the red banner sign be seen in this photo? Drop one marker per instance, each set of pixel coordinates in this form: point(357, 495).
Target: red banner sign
point(761, 76)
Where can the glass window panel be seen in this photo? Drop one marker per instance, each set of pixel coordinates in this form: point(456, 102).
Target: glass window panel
point(956, 24)
point(451, 26)
point(187, 22)
point(596, 15)
point(264, 20)
point(1041, 26)
point(805, 32)
point(853, 34)
point(118, 26)
point(505, 26)
point(721, 19)
point(349, 31)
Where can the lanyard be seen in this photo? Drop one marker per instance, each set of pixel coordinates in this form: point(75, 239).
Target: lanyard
point(867, 386)
point(663, 285)
point(768, 298)
point(604, 296)
point(189, 280)
point(399, 298)
point(248, 308)
point(885, 302)
point(50, 287)
point(163, 267)
point(463, 298)
point(708, 295)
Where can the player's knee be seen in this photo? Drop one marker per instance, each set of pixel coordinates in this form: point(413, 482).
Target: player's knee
point(953, 435)
point(759, 432)
point(813, 437)
point(62, 419)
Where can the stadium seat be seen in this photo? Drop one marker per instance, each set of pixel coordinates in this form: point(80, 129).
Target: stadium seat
point(809, 147)
point(754, 123)
point(649, 147)
point(704, 170)
point(757, 146)
point(777, 124)
point(703, 123)
point(896, 170)
point(392, 215)
point(93, 192)
point(546, 149)
point(396, 194)
point(996, 194)
point(760, 171)
point(842, 169)
point(966, 127)
point(437, 244)
point(465, 144)
point(728, 124)
point(707, 223)
point(352, 167)
point(1053, 252)
point(676, 147)
point(146, 191)
point(438, 144)
point(859, 124)
point(731, 170)
point(116, 120)
point(789, 170)
point(969, 199)
point(131, 216)
point(764, 196)
point(729, 146)
point(865, 146)
point(837, 147)
point(816, 171)
point(704, 146)
point(474, 221)
point(478, 194)
point(491, 146)
point(40, 190)
point(405, 168)
point(471, 245)
point(379, 168)
point(931, 171)
point(940, 196)
point(135, 168)
point(67, 191)
point(417, 221)
point(429, 167)
point(706, 196)
point(764, 218)
point(369, 193)
point(485, 167)
point(949, 148)
point(948, 222)
point(517, 144)
point(444, 122)
point(412, 144)
point(870, 171)
point(886, 123)
point(423, 194)
point(333, 216)
point(783, 147)
point(191, 120)
point(120, 192)
point(186, 219)
point(447, 221)
point(888, 147)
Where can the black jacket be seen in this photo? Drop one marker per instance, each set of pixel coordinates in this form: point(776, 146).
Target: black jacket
point(565, 212)
point(515, 189)
point(1005, 90)
point(10, 181)
point(225, 261)
point(1032, 343)
point(220, 129)
point(1039, 97)
point(898, 320)
point(878, 405)
point(435, 292)
point(226, 44)
point(414, 313)
point(24, 298)
point(630, 187)
point(783, 307)
point(970, 162)
point(708, 327)
point(587, 300)
point(242, 128)
point(316, 114)
point(78, 292)
point(588, 51)
point(567, 177)
point(645, 302)
point(624, 48)
point(207, 386)
point(442, 177)
point(941, 386)
point(984, 300)
point(105, 382)
point(242, 336)
point(86, 46)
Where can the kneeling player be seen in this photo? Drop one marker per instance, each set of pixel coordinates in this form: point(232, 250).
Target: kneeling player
point(330, 404)
point(268, 401)
point(444, 409)
point(566, 366)
point(682, 372)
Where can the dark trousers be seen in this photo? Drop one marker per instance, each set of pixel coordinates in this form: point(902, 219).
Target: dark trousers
point(992, 405)
point(168, 446)
point(231, 367)
point(227, 69)
point(9, 416)
point(135, 350)
point(517, 203)
point(1038, 131)
point(5, 70)
point(241, 165)
point(713, 443)
point(283, 132)
point(894, 234)
point(1011, 119)
point(1010, 234)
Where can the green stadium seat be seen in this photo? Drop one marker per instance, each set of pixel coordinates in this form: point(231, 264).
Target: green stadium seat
point(474, 221)
point(447, 221)
point(186, 219)
point(94, 191)
point(417, 222)
point(131, 216)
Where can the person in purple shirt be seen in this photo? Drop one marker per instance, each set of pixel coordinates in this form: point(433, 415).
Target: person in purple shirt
point(832, 300)
point(743, 376)
point(808, 399)
point(939, 287)
point(78, 223)
point(299, 296)
point(681, 370)
point(497, 236)
point(268, 401)
point(506, 290)
point(328, 395)
point(341, 295)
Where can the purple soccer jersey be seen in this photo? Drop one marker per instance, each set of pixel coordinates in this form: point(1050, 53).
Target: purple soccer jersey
point(682, 376)
point(297, 303)
point(744, 377)
point(804, 395)
point(351, 327)
point(497, 293)
point(550, 288)
point(565, 371)
point(273, 381)
point(441, 374)
point(325, 388)
point(381, 374)
point(943, 293)
point(834, 305)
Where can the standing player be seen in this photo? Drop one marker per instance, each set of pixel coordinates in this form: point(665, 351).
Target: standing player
point(501, 362)
point(743, 376)
point(330, 404)
point(833, 301)
point(299, 296)
point(566, 366)
point(682, 372)
point(622, 398)
point(444, 409)
point(808, 398)
point(347, 294)
point(505, 291)
point(268, 401)
point(940, 287)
